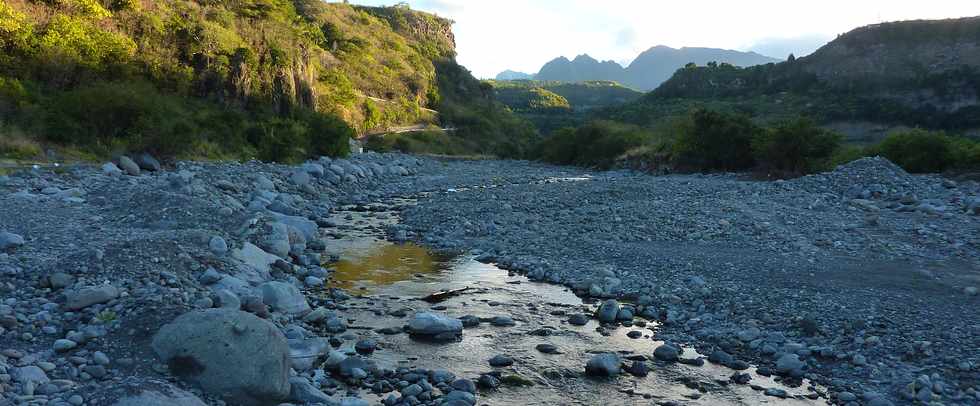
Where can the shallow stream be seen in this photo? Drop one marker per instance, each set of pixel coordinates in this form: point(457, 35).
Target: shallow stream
point(386, 277)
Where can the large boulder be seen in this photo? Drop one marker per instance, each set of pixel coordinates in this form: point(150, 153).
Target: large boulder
point(608, 311)
point(128, 166)
point(81, 298)
point(10, 241)
point(604, 365)
point(789, 364)
point(435, 326)
point(166, 397)
point(255, 258)
point(229, 353)
point(147, 162)
point(284, 298)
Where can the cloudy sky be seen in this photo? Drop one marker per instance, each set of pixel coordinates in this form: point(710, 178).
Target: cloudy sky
point(494, 35)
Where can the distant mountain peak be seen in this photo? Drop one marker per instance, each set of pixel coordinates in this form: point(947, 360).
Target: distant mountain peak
point(651, 68)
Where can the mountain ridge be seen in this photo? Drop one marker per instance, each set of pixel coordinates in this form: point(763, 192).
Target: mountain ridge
point(646, 72)
point(919, 73)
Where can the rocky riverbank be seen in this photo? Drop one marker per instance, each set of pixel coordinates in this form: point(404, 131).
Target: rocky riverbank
point(213, 283)
point(863, 279)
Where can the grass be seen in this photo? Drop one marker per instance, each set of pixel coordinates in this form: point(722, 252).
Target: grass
point(17, 146)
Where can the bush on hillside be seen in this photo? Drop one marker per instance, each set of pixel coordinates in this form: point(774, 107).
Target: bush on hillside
point(596, 144)
point(711, 140)
point(108, 117)
point(922, 151)
point(795, 147)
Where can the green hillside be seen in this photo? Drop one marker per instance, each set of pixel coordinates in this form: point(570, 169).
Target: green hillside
point(274, 79)
point(552, 105)
point(915, 74)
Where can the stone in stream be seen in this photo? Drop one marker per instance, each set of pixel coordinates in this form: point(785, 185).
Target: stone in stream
point(229, 353)
point(464, 385)
point(435, 327)
point(667, 353)
point(470, 321)
point(578, 320)
point(603, 365)
point(499, 361)
point(608, 311)
point(547, 348)
point(638, 369)
point(303, 392)
point(366, 347)
point(503, 321)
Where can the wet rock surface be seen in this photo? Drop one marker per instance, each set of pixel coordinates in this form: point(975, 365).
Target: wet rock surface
point(227, 283)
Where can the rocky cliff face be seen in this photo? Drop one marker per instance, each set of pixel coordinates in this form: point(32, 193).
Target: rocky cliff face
point(899, 51)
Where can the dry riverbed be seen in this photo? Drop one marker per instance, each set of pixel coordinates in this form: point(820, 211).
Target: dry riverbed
point(261, 284)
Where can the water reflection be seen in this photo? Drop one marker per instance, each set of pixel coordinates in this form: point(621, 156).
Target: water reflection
point(384, 264)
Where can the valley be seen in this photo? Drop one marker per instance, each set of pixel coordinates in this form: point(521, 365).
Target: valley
point(311, 203)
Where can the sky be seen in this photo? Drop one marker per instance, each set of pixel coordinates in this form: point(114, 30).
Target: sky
point(522, 35)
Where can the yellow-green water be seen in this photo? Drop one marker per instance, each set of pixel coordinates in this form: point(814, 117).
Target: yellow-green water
point(383, 265)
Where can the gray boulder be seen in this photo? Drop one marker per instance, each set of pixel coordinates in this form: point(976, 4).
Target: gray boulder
point(167, 397)
point(147, 162)
point(604, 365)
point(284, 297)
point(300, 178)
point(435, 326)
point(218, 245)
point(128, 166)
point(30, 373)
point(303, 392)
point(789, 364)
point(255, 258)
point(81, 298)
point(111, 169)
point(9, 241)
point(608, 311)
point(667, 352)
point(231, 354)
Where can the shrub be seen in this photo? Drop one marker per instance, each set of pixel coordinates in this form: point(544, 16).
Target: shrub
point(711, 140)
point(15, 145)
point(111, 115)
point(329, 135)
point(598, 144)
point(795, 147)
point(919, 151)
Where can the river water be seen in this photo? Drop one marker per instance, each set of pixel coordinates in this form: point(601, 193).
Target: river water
point(384, 277)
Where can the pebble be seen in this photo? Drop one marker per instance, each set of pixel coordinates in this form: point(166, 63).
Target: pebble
point(64, 345)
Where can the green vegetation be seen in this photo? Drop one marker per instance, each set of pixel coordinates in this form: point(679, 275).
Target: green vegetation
point(483, 125)
point(596, 144)
point(795, 147)
point(924, 151)
point(275, 79)
point(433, 141)
point(556, 105)
point(707, 140)
point(712, 140)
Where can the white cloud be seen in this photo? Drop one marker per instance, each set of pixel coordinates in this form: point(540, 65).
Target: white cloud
point(524, 34)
